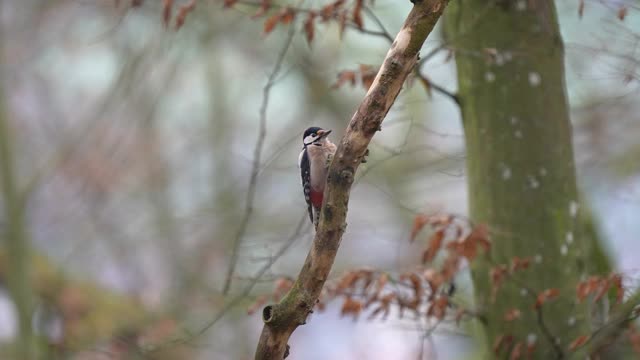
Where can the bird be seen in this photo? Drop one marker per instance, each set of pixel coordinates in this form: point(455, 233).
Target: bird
point(314, 160)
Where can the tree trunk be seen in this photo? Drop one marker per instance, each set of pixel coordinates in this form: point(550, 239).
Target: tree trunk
point(15, 239)
point(520, 168)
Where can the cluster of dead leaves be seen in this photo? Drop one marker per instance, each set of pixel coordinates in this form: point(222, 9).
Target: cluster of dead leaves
point(365, 74)
point(499, 273)
point(367, 289)
point(599, 286)
point(339, 10)
point(466, 238)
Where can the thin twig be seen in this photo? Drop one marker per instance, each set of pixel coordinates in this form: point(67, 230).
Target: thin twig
point(257, 154)
point(428, 84)
point(191, 336)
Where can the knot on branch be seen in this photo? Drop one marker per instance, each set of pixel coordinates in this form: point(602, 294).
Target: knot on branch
point(347, 176)
point(267, 314)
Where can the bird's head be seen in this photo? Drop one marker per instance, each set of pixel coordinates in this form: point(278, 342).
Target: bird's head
point(314, 135)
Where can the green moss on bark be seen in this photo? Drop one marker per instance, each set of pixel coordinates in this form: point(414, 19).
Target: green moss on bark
point(520, 165)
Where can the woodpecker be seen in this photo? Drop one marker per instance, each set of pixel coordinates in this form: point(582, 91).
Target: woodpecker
point(314, 160)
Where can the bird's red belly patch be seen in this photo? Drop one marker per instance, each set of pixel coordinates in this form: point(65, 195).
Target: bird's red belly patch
point(316, 198)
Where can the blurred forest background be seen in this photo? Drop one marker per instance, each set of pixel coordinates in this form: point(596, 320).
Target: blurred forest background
point(129, 153)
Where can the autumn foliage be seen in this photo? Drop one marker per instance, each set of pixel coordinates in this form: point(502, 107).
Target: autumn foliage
point(450, 244)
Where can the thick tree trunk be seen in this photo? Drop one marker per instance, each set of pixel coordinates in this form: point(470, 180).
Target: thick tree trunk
point(520, 167)
point(15, 239)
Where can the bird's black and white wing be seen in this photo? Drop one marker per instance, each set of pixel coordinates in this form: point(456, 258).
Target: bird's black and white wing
point(305, 173)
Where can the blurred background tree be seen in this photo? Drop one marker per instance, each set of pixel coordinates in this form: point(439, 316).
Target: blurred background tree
point(128, 148)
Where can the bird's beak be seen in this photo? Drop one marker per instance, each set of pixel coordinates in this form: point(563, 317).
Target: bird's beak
point(323, 134)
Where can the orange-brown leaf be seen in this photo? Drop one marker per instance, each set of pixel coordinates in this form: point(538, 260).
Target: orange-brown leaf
point(416, 285)
point(271, 23)
point(368, 74)
point(497, 275)
point(480, 236)
point(622, 13)
point(265, 5)
point(309, 27)
point(435, 243)
point(545, 296)
point(512, 315)
point(418, 223)
point(616, 280)
point(581, 340)
point(438, 307)
point(357, 14)
point(287, 15)
point(434, 278)
point(450, 267)
point(351, 307)
point(183, 11)
point(167, 5)
point(346, 76)
point(519, 263)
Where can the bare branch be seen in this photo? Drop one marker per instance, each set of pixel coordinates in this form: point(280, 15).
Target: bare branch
point(257, 154)
point(283, 318)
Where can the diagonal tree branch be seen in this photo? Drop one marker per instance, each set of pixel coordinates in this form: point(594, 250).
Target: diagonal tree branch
point(282, 319)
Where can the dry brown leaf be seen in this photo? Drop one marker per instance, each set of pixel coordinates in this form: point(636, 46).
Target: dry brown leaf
point(287, 15)
point(519, 263)
point(546, 295)
point(622, 13)
point(435, 243)
point(497, 275)
point(438, 307)
point(616, 280)
point(309, 27)
point(167, 5)
point(512, 314)
point(346, 76)
point(418, 223)
point(351, 307)
point(271, 23)
point(357, 14)
point(581, 340)
point(368, 75)
point(183, 11)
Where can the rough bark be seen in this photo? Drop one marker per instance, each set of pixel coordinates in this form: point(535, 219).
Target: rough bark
point(520, 167)
point(281, 320)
